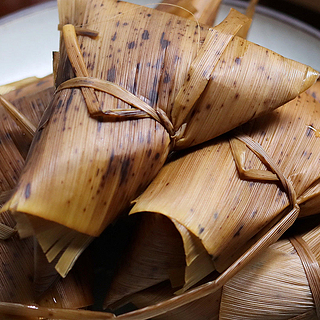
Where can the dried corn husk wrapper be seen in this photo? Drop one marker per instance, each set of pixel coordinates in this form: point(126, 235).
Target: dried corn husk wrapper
point(26, 87)
point(156, 62)
point(280, 283)
point(30, 101)
point(227, 195)
point(22, 279)
point(155, 254)
point(24, 120)
point(20, 84)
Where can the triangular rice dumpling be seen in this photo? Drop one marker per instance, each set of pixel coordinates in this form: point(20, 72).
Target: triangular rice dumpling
point(225, 201)
point(275, 285)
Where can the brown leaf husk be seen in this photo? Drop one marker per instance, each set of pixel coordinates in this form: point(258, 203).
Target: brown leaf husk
point(217, 205)
point(154, 255)
point(115, 177)
point(272, 286)
point(18, 85)
point(251, 294)
point(66, 114)
point(120, 157)
point(197, 175)
point(17, 255)
point(31, 102)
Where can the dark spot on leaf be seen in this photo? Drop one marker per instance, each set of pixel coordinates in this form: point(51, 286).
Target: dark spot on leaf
point(27, 191)
point(164, 43)
point(114, 37)
point(238, 232)
point(134, 89)
point(111, 74)
point(237, 60)
point(155, 82)
point(159, 64)
point(153, 97)
point(59, 104)
point(166, 78)
point(40, 83)
point(99, 124)
point(157, 156)
point(145, 35)
point(267, 102)
point(69, 100)
point(124, 170)
point(176, 59)
point(149, 137)
point(254, 114)
point(131, 45)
